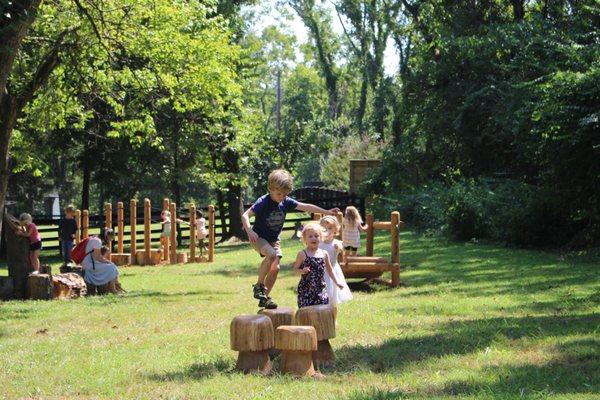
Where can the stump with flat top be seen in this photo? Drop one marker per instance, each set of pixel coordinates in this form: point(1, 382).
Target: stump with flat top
point(279, 316)
point(252, 337)
point(39, 286)
point(322, 318)
point(297, 344)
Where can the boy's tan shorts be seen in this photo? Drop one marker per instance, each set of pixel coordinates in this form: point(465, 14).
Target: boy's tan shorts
point(265, 248)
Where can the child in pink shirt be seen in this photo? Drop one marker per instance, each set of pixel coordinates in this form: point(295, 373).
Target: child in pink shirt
point(35, 240)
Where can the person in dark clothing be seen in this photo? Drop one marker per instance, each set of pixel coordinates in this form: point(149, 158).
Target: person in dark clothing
point(67, 227)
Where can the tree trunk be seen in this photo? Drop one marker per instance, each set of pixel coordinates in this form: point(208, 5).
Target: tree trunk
point(17, 258)
point(236, 209)
point(234, 195)
point(221, 207)
point(85, 188)
point(362, 105)
point(518, 10)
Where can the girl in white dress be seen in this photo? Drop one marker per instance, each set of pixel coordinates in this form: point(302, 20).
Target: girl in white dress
point(334, 247)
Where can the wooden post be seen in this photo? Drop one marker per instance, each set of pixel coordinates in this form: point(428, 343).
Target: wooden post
point(147, 231)
point(120, 227)
point(370, 231)
point(165, 240)
point(132, 228)
point(108, 221)
point(173, 233)
point(85, 224)
point(395, 248)
point(78, 222)
point(317, 216)
point(192, 233)
point(211, 233)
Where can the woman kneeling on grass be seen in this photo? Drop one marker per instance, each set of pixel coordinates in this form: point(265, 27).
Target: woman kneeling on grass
point(98, 269)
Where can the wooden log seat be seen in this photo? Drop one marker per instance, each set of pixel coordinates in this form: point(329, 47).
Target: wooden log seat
point(322, 318)
point(39, 286)
point(252, 337)
point(121, 259)
point(297, 344)
point(279, 316)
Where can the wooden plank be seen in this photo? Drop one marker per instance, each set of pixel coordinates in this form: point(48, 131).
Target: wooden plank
point(386, 225)
point(363, 259)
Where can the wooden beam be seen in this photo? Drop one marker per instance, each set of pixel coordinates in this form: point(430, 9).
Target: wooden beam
point(120, 227)
point(370, 232)
point(173, 243)
point(132, 228)
point(211, 233)
point(147, 230)
point(192, 258)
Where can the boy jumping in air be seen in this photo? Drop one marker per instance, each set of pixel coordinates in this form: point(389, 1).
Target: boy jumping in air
point(270, 211)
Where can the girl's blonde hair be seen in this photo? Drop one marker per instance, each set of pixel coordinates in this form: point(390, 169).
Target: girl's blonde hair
point(332, 220)
point(25, 217)
point(353, 216)
point(311, 226)
point(166, 213)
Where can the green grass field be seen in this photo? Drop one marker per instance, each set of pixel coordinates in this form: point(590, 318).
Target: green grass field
point(473, 321)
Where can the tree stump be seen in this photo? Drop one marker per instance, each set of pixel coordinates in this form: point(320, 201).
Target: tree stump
point(155, 257)
point(7, 290)
point(68, 286)
point(17, 259)
point(322, 318)
point(120, 259)
point(39, 287)
point(279, 316)
point(297, 344)
point(252, 337)
point(182, 258)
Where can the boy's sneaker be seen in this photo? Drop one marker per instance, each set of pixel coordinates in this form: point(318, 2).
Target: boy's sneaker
point(259, 291)
point(267, 302)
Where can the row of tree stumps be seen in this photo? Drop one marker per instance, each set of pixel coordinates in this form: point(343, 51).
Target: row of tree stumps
point(167, 253)
point(300, 339)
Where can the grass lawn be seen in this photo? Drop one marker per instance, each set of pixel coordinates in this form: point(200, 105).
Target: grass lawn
point(473, 321)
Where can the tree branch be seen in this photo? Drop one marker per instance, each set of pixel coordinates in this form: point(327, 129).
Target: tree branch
point(44, 70)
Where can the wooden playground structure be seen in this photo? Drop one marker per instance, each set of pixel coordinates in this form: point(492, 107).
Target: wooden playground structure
point(368, 266)
point(167, 252)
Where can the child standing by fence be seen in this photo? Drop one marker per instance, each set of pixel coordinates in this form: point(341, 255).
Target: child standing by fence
point(67, 227)
point(351, 228)
point(201, 232)
point(270, 211)
point(35, 240)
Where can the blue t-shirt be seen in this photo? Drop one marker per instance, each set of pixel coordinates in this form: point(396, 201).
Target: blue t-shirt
point(270, 216)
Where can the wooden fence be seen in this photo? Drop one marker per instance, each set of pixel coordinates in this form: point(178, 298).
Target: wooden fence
point(322, 197)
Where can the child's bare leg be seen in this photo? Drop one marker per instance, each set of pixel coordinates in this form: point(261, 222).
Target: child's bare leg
point(272, 275)
point(34, 260)
point(265, 266)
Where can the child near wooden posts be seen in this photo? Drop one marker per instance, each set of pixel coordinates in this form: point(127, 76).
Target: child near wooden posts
point(333, 247)
point(270, 211)
point(201, 231)
point(35, 240)
point(313, 263)
point(351, 228)
point(67, 227)
point(166, 230)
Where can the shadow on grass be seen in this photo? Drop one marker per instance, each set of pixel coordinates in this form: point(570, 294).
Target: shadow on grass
point(575, 372)
point(195, 371)
point(575, 364)
point(377, 395)
point(145, 293)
